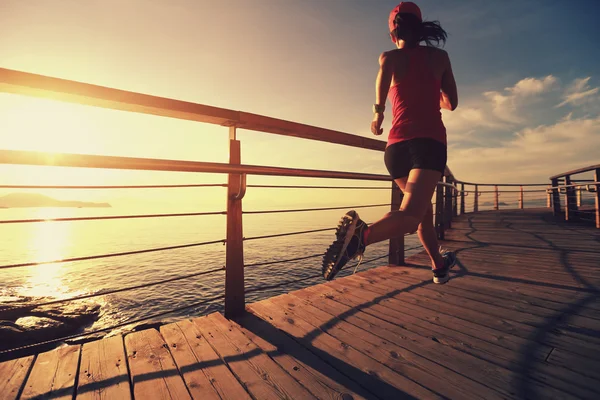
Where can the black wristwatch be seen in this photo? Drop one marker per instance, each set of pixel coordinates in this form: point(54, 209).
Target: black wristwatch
point(378, 108)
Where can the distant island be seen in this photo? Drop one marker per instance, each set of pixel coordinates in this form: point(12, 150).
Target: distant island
point(22, 200)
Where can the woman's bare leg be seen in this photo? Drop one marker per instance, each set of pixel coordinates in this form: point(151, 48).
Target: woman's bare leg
point(418, 192)
point(426, 231)
point(428, 238)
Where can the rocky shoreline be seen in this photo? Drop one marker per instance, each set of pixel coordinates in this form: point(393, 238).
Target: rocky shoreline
point(22, 322)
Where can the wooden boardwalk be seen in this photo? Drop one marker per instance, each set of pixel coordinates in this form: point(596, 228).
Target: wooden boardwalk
point(520, 318)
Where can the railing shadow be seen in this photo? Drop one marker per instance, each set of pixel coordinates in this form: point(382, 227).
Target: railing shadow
point(376, 388)
point(554, 320)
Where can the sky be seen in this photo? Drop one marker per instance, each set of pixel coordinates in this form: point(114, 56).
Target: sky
point(528, 75)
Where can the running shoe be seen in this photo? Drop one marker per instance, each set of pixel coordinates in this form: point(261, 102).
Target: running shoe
point(442, 275)
point(349, 244)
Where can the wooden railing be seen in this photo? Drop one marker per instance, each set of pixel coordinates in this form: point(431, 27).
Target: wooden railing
point(450, 202)
point(81, 93)
point(573, 190)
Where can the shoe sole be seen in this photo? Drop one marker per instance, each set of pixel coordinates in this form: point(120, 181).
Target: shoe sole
point(444, 279)
point(346, 229)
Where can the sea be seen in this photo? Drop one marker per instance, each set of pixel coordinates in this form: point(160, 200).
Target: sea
point(47, 240)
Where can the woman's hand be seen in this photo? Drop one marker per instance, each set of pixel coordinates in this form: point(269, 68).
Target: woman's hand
point(376, 124)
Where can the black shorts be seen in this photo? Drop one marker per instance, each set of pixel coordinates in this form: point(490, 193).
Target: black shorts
point(421, 153)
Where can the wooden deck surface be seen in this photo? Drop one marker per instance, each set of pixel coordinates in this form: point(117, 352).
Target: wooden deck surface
point(520, 318)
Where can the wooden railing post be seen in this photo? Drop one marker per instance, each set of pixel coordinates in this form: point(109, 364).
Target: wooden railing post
point(462, 198)
point(521, 198)
point(555, 198)
point(476, 199)
point(448, 203)
point(396, 256)
point(578, 196)
point(439, 211)
point(597, 197)
point(234, 257)
point(570, 202)
point(454, 203)
point(549, 200)
point(496, 195)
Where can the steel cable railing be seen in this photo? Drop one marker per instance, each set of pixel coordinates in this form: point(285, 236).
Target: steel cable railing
point(107, 292)
point(125, 253)
point(260, 264)
point(314, 209)
point(276, 235)
point(111, 217)
point(86, 187)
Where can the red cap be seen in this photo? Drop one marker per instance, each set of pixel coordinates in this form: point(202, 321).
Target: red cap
point(405, 7)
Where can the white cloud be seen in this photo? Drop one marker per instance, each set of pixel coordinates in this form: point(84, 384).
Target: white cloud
point(506, 104)
point(464, 119)
point(522, 148)
point(533, 154)
point(579, 92)
point(532, 86)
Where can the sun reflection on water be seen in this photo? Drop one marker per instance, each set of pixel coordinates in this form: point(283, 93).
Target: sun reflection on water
point(49, 241)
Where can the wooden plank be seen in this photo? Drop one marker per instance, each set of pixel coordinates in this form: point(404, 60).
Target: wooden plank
point(320, 378)
point(551, 375)
point(518, 311)
point(510, 297)
point(478, 280)
point(507, 290)
point(103, 372)
point(153, 372)
point(505, 314)
point(261, 376)
point(283, 376)
point(423, 315)
point(386, 348)
point(205, 374)
point(466, 287)
point(378, 379)
point(53, 374)
point(463, 318)
point(583, 365)
point(13, 374)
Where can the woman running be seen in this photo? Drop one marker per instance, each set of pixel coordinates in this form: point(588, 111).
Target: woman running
point(419, 81)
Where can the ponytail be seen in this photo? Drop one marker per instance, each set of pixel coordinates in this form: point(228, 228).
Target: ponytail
point(408, 26)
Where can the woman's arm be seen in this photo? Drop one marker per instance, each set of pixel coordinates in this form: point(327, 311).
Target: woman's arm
point(382, 87)
point(384, 79)
point(449, 94)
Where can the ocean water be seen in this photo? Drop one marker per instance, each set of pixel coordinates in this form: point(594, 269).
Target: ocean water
point(52, 240)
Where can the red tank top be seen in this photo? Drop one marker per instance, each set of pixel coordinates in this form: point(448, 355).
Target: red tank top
point(416, 102)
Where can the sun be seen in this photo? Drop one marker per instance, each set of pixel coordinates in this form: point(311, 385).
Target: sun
point(47, 125)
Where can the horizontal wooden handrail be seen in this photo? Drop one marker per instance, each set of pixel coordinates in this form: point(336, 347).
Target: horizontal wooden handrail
point(577, 171)
point(19, 157)
point(42, 86)
point(501, 184)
